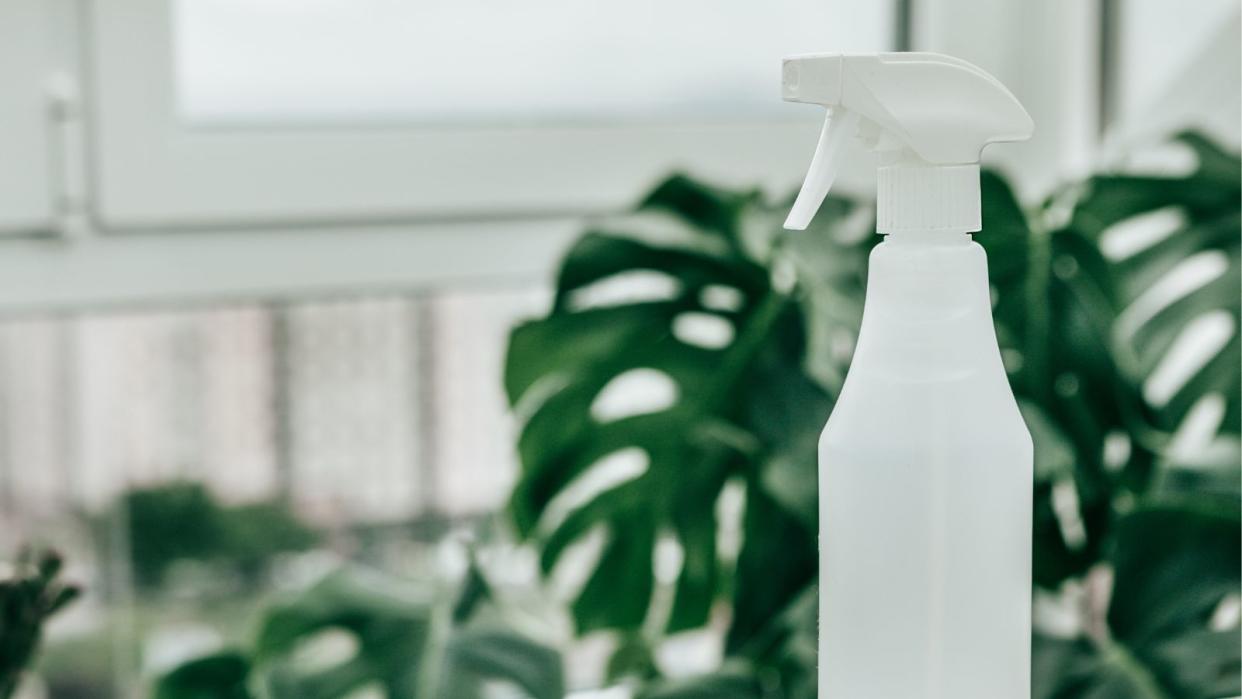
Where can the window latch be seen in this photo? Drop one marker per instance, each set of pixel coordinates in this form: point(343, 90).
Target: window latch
point(70, 192)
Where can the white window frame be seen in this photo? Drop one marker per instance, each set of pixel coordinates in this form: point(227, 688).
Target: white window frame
point(1048, 53)
point(161, 268)
point(154, 171)
point(25, 147)
point(158, 212)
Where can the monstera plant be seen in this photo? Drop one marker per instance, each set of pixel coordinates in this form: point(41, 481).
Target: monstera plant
point(1117, 306)
point(403, 639)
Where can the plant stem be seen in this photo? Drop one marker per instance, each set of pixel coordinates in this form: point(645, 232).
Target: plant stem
point(1117, 656)
point(746, 346)
point(1035, 352)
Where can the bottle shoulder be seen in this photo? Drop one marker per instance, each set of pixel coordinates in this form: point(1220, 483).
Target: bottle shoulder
point(978, 408)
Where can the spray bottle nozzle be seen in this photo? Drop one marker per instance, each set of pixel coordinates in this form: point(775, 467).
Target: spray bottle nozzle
point(824, 166)
point(932, 115)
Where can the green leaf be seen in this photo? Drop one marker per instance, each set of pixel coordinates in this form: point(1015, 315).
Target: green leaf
point(1085, 348)
point(220, 676)
point(1053, 313)
point(1208, 202)
point(30, 593)
point(633, 657)
point(625, 564)
point(391, 626)
point(1077, 669)
point(779, 561)
point(749, 411)
point(409, 645)
point(723, 685)
point(742, 403)
point(475, 591)
point(475, 655)
point(1210, 477)
point(1173, 566)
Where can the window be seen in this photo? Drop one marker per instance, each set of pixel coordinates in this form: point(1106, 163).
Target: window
point(1173, 79)
point(275, 62)
point(25, 175)
point(355, 410)
point(312, 223)
point(557, 147)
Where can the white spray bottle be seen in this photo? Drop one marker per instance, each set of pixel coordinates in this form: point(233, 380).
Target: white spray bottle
point(925, 465)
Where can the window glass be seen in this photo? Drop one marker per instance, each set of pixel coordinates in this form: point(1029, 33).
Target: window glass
point(350, 428)
point(1158, 41)
point(353, 410)
point(263, 61)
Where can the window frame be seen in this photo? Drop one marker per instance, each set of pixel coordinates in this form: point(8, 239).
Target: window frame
point(26, 185)
point(172, 214)
point(152, 171)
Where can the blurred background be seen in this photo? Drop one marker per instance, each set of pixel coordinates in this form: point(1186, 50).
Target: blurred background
point(260, 261)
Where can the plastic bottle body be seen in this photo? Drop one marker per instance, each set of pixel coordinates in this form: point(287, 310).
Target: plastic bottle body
point(925, 492)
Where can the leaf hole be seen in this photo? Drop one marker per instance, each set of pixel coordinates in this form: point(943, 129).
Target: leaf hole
point(667, 558)
point(371, 690)
point(704, 330)
point(1059, 613)
point(718, 297)
point(605, 474)
point(1227, 615)
point(326, 649)
point(534, 398)
point(1117, 449)
point(577, 563)
point(636, 286)
point(730, 508)
point(1065, 506)
point(1201, 340)
point(1132, 235)
point(1189, 275)
point(1196, 434)
point(690, 653)
point(501, 689)
point(634, 392)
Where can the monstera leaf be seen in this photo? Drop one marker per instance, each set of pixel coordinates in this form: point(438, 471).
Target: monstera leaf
point(1095, 322)
point(716, 321)
point(782, 662)
point(1089, 319)
point(1085, 324)
point(1184, 269)
point(1174, 566)
point(391, 627)
point(474, 657)
point(406, 641)
point(220, 676)
point(1054, 305)
point(1170, 628)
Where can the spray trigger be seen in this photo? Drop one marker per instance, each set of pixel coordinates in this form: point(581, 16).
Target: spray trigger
point(838, 126)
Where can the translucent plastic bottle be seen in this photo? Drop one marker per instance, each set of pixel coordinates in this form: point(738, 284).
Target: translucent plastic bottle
point(925, 485)
point(925, 470)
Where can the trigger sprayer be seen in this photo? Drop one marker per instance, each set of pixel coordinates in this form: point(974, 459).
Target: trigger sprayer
point(927, 115)
point(925, 470)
